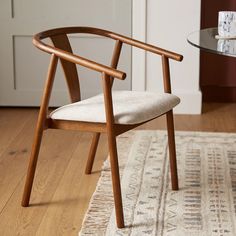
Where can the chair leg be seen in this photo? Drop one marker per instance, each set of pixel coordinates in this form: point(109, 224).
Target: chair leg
point(92, 153)
point(172, 150)
point(39, 130)
point(116, 180)
point(32, 163)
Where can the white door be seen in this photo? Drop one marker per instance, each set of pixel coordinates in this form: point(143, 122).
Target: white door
point(23, 67)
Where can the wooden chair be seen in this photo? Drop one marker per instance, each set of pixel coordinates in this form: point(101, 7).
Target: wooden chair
point(114, 118)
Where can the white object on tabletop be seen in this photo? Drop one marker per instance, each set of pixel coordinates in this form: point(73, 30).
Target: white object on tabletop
point(226, 24)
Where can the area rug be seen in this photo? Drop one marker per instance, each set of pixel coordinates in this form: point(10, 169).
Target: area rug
point(204, 205)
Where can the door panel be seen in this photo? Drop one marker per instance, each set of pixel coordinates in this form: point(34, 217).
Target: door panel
point(24, 67)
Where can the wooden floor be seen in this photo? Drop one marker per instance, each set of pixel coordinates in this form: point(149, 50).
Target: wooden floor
point(61, 191)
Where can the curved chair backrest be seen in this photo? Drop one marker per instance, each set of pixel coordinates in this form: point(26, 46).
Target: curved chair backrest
point(62, 49)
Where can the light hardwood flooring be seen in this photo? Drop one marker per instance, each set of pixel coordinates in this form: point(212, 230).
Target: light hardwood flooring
point(61, 190)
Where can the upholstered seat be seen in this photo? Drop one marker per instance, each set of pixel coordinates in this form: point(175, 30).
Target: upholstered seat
point(130, 107)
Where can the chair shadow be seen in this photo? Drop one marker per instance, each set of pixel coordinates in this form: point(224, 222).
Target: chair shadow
point(95, 172)
point(61, 202)
point(138, 225)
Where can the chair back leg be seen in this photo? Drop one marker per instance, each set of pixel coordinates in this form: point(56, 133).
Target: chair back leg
point(92, 153)
point(172, 150)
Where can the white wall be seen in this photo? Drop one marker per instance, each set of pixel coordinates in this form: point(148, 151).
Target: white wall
point(168, 22)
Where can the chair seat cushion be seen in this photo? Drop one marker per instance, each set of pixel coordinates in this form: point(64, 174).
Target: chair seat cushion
point(129, 107)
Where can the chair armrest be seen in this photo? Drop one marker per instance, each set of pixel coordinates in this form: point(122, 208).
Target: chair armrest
point(79, 60)
point(147, 47)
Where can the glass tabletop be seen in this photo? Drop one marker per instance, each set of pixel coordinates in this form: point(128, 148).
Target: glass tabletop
point(205, 40)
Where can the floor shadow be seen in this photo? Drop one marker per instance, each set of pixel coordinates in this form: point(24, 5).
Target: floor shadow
point(61, 202)
point(95, 172)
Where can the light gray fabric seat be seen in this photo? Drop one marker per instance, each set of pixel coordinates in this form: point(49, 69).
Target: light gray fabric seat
point(129, 107)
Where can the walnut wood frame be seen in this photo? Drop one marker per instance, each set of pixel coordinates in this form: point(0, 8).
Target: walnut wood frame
point(62, 50)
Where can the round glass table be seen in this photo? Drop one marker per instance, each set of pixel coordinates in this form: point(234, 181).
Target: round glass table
point(205, 40)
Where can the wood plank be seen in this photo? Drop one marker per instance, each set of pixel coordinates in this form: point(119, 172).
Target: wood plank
point(14, 159)
point(216, 117)
point(62, 192)
point(12, 122)
point(74, 189)
point(54, 157)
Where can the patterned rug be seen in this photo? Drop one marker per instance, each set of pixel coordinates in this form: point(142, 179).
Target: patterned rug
point(204, 205)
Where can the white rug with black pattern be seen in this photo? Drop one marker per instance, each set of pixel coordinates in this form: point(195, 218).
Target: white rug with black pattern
point(204, 205)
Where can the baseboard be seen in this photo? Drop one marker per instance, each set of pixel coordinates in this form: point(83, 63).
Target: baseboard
point(191, 103)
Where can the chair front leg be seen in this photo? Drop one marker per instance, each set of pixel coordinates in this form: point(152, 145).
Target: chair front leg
point(113, 150)
point(92, 153)
point(172, 150)
point(32, 163)
point(115, 179)
point(39, 131)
